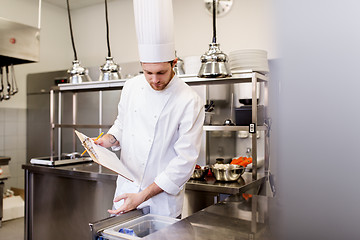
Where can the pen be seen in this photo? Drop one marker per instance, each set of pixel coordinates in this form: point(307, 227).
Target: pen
point(95, 140)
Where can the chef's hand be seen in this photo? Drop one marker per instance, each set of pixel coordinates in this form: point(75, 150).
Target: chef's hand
point(107, 141)
point(132, 200)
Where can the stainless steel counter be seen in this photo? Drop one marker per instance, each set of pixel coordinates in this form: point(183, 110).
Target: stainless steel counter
point(244, 183)
point(82, 193)
point(94, 171)
point(237, 217)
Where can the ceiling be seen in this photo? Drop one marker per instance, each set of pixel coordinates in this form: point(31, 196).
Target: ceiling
point(75, 4)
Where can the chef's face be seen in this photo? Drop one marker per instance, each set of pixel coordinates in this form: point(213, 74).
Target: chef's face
point(159, 75)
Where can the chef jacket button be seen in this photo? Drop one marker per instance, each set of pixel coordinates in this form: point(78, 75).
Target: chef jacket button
point(155, 116)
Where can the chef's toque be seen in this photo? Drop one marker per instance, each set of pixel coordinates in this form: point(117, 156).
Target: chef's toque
point(155, 30)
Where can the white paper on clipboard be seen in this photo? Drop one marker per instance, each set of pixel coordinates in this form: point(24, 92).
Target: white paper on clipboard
point(104, 156)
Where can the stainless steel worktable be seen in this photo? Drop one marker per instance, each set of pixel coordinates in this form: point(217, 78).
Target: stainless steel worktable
point(82, 193)
point(238, 217)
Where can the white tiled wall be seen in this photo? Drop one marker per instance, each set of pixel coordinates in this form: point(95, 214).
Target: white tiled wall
point(13, 143)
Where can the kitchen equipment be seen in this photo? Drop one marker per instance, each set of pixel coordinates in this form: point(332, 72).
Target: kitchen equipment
point(227, 172)
point(229, 121)
point(1, 84)
point(4, 174)
point(214, 63)
point(139, 220)
point(110, 70)
point(179, 66)
point(142, 226)
point(19, 43)
point(199, 173)
point(8, 86)
point(13, 81)
point(243, 115)
point(65, 159)
point(78, 74)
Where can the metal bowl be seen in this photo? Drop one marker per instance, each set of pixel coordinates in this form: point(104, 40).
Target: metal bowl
point(200, 173)
point(227, 172)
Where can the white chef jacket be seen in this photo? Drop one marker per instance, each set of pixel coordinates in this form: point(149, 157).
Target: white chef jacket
point(160, 138)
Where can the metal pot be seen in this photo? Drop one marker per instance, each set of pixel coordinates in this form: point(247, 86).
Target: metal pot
point(227, 172)
point(200, 173)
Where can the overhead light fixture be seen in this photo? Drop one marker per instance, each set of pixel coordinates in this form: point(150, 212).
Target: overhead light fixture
point(214, 63)
point(78, 74)
point(110, 70)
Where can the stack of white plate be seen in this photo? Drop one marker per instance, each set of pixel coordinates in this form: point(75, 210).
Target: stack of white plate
point(249, 59)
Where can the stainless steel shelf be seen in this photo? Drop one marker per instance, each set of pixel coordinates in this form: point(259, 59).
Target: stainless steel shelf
point(231, 128)
point(80, 126)
point(238, 77)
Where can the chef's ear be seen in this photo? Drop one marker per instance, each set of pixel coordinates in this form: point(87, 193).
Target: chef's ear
point(174, 62)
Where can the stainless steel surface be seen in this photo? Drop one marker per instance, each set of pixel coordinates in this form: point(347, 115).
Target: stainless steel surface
point(199, 173)
point(238, 217)
point(214, 63)
point(43, 113)
point(179, 66)
point(254, 121)
point(98, 226)
point(14, 85)
point(4, 174)
point(38, 107)
point(230, 128)
point(19, 43)
point(78, 74)
point(142, 227)
point(110, 70)
point(55, 161)
point(1, 84)
point(82, 194)
point(1, 200)
point(227, 172)
point(238, 77)
point(244, 183)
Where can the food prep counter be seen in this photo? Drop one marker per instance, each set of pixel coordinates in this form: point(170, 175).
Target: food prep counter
point(240, 216)
point(57, 197)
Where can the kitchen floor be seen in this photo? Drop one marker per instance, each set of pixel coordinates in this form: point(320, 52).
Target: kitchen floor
point(12, 229)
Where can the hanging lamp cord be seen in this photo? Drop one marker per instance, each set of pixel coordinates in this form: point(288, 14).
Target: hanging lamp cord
point(71, 31)
point(214, 21)
point(107, 29)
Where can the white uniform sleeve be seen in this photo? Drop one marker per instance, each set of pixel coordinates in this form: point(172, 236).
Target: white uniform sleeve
point(187, 148)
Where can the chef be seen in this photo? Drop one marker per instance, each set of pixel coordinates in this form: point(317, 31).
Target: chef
point(159, 123)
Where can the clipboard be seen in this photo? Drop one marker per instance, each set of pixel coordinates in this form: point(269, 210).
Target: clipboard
point(104, 156)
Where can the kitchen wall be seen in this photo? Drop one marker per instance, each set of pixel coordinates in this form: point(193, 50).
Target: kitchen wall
point(247, 25)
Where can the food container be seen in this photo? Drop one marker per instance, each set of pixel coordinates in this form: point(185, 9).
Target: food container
point(227, 172)
point(139, 227)
point(200, 173)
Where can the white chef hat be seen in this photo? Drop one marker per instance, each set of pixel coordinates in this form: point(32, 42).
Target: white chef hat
point(155, 30)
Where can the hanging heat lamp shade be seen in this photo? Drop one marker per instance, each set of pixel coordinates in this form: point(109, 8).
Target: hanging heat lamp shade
point(78, 74)
point(110, 70)
point(214, 63)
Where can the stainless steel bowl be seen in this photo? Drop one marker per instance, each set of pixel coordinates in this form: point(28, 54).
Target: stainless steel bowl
point(200, 173)
point(227, 172)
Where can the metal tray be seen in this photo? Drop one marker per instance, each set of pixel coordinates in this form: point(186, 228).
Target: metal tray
point(142, 227)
